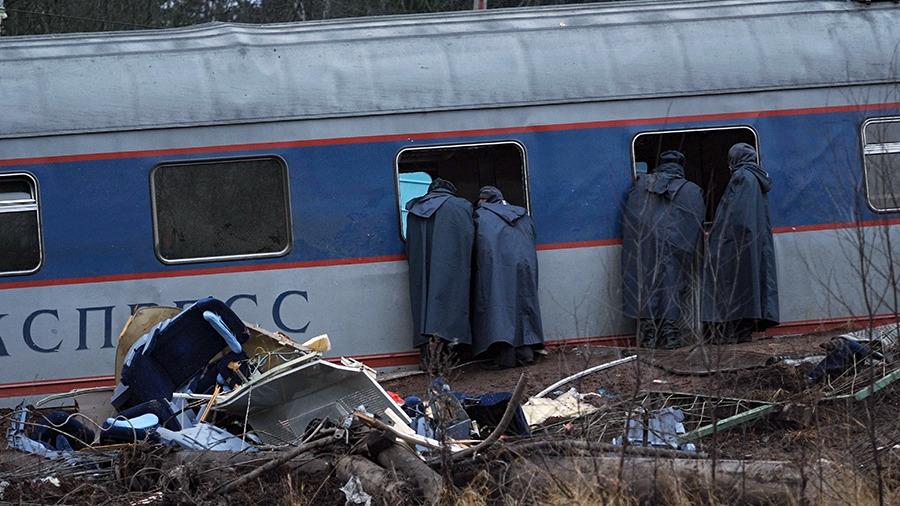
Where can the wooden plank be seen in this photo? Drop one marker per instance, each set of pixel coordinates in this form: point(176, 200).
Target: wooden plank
point(866, 391)
point(727, 423)
point(878, 385)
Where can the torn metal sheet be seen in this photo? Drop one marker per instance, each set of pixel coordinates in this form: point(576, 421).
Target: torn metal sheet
point(354, 493)
point(282, 402)
point(888, 335)
point(204, 436)
point(356, 364)
point(796, 361)
point(263, 342)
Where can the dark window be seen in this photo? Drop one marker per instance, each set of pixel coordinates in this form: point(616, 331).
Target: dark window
point(20, 225)
point(221, 209)
point(705, 152)
point(883, 131)
point(468, 166)
point(882, 163)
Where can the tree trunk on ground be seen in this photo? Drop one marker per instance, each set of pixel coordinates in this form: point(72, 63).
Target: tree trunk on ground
point(649, 479)
point(406, 462)
point(375, 480)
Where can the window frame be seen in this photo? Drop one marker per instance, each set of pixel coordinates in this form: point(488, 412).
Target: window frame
point(40, 224)
point(223, 258)
point(526, 181)
point(694, 129)
point(883, 149)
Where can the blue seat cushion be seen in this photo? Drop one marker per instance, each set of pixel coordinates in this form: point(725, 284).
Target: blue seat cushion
point(178, 350)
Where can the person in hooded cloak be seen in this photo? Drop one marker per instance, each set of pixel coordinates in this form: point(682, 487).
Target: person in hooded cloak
point(740, 285)
point(661, 229)
point(439, 239)
point(506, 313)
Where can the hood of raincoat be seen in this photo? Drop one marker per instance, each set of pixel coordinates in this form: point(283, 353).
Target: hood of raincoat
point(438, 192)
point(743, 156)
point(495, 203)
point(668, 177)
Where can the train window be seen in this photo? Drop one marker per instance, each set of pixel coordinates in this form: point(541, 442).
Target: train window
point(411, 185)
point(20, 225)
point(468, 166)
point(705, 152)
point(881, 140)
point(221, 209)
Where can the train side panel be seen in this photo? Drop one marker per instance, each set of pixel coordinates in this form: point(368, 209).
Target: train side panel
point(346, 273)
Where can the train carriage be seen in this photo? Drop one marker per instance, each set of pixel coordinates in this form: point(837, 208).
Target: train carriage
point(267, 165)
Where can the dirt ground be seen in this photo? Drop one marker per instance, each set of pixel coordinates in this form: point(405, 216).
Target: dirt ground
point(741, 371)
point(560, 362)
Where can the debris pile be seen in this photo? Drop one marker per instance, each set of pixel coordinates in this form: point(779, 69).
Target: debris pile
point(209, 409)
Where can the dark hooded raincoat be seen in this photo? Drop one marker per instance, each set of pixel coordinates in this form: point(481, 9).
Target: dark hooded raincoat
point(439, 238)
point(662, 222)
point(505, 301)
point(740, 282)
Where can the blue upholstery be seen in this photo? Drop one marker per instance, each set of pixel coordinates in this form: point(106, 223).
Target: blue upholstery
point(176, 350)
point(59, 430)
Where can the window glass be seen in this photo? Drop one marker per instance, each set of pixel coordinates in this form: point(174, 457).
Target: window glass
point(221, 209)
point(468, 167)
point(879, 132)
point(20, 231)
point(705, 152)
point(412, 185)
point(883, 180)
point(882, 164)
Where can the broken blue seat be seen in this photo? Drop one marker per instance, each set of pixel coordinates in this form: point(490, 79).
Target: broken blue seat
point(218, 372)
point(130, 430)
point(176, 350)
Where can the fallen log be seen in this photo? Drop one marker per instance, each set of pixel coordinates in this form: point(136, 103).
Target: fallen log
point(282, 459)
point(598, 447)
point(652, 479)
point(376, 481)
point(414, 439)
point(402, 459)
point(210, 459)
point(206, 462)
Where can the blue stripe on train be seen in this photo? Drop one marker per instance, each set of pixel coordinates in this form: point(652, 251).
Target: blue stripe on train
point(97, 217)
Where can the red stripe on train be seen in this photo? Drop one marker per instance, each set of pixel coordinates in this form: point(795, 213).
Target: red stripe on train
point(203, 272)
point(377, 259)
point(448, 134)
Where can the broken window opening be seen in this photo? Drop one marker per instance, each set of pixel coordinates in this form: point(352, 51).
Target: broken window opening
point(221, 209)
point(881, 163)
point(20, 225)
point(468, 167)
point(706, 165)
point(705, 152)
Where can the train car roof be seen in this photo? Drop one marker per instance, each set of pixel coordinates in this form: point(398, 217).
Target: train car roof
point(235, 73)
